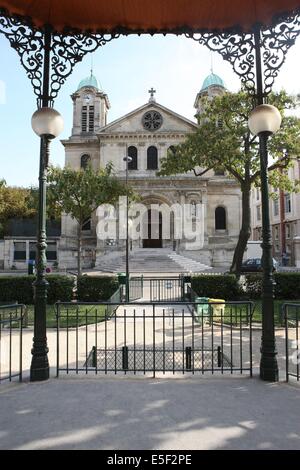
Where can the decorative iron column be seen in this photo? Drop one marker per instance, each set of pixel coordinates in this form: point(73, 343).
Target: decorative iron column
point(268, 362)
point(39, 369)
point(127, 159)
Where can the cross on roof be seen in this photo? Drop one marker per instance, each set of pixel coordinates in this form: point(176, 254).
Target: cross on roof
point(152, 91)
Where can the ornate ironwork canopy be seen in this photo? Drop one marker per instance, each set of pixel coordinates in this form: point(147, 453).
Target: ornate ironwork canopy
point(70, 46)
point(158, 15)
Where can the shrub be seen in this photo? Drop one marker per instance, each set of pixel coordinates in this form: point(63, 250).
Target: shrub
point(287, 286)
point(60, 288)
point(20, 289)
point(95, 288)
point(216, 286)
point(16, 288)
point(253, 286)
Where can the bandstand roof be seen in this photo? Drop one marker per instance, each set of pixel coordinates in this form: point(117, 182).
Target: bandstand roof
point(155, 16)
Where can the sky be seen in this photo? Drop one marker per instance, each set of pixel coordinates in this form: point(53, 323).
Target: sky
point(126, 68)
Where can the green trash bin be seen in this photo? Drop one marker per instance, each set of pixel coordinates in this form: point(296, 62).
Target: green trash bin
point(202, 310)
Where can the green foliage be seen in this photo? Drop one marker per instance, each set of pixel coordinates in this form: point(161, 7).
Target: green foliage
point(60, 288)
point(223, 142)
point(231, 147)
point(16, 288)
point(95, 288)
point(287, 286)
point(216, 286)
point(20, 289)
point(253, 286)
point(14, 204)
point(80, 192)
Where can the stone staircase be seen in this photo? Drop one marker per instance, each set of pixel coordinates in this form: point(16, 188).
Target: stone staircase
point(145, 260)
point(188, 264)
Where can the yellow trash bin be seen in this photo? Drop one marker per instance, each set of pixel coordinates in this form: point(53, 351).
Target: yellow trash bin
point(217, 307)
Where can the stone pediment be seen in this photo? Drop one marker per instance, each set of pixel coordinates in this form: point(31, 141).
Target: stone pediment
point(133, 122)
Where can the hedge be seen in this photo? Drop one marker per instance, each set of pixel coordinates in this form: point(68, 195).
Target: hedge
point(95, 288)
point(20, 289)
point(287, 286)
point(216, 286)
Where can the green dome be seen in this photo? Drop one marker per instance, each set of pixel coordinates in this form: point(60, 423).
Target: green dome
point(89, 81)
point(212, 80)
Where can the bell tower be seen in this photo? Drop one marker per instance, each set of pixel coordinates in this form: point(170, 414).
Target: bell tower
point(213, 85)
point(90, 107)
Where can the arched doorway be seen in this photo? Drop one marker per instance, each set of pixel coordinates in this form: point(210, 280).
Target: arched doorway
point(153, 229)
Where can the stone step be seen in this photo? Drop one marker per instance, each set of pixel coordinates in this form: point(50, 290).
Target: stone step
point(151, 260)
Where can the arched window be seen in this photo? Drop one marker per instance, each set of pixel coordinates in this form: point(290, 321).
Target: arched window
point(85, 160)
point(152, 160)
point(133, 154)
point(220, 218)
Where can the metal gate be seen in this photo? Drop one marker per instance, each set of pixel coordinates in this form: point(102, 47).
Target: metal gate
point(154, 337)
point(163, 289)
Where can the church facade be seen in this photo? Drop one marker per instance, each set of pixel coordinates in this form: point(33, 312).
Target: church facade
point(145, 135)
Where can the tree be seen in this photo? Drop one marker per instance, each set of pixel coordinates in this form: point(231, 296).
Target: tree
point(223, 141)
point(13, 204)
point(79, 193)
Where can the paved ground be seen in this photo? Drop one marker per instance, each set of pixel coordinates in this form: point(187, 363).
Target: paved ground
point(128, 412)
point(197, 413)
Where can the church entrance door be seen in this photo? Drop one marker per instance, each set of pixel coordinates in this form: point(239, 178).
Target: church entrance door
point(153, 230)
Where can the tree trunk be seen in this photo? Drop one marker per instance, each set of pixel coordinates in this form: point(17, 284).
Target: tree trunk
point(245, 231)
point(79, 250)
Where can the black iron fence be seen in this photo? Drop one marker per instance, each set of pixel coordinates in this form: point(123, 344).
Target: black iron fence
point(154, 337)
point(11, 331)
point(291, 315)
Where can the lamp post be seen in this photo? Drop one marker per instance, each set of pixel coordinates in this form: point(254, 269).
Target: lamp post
point(127, 160)
point(47, 124)
point(264, 121)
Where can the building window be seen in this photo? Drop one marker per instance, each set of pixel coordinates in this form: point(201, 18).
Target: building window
point(85, 161)
point(84, 119)
point(86, 226)
point(20, 251)
point(152, 158)
point(51, 252)
point(87, 118)
point(220, 218)
point(276, 233)
point(287, 202)
point(288, 231)
point(32, 250)
point(276, 207)
point(219, 172)
point(258, 213)
point(193, 209)
point(133, 154)
point(91, 118)
point(257, 194)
